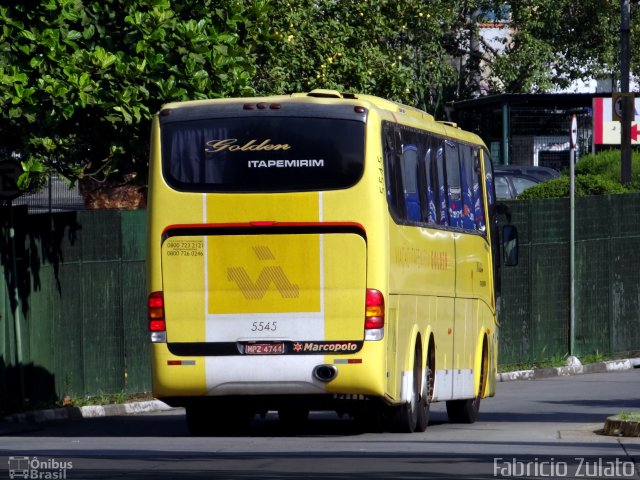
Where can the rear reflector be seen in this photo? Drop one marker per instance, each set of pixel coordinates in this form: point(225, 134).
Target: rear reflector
point(346, 361)
point(374, 310)
point(180, 362)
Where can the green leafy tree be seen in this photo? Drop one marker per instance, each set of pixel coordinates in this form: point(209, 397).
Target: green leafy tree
point(555, 42)
point(396, 50)
point(79, 81)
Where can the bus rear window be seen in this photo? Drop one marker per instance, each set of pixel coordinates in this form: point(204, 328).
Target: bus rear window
point(262, 154)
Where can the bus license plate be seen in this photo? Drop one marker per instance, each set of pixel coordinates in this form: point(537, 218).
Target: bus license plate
point(264, 348)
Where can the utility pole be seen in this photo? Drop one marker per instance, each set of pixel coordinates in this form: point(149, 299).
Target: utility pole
point(573, 142)
point(628, 103)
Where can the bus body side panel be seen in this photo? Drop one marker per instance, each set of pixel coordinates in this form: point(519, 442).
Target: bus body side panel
point(391, 338)
point(405, 344)
point(442, 316)
point(422, 270)
point(464, 342)
point(473, 300)
point(492, 343)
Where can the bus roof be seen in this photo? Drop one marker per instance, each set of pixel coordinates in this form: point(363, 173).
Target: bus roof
point(331, 96)
point(315, 94)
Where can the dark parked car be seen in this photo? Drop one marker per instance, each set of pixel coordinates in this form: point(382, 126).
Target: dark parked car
point(541, 173)
point(509, 185)
point(512, 180)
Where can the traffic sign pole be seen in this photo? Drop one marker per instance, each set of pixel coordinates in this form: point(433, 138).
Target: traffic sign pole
point(573, 140)
point(627, 103)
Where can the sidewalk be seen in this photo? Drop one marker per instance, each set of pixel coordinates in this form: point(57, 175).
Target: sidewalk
point(21, 422)
point(601, 367)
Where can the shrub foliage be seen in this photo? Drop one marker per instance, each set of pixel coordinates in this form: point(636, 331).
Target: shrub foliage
point(79, 80)
point(597, 174)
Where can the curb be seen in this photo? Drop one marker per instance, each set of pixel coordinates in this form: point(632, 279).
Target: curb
point(20, 422)
point(601, 367)
point(615, 427)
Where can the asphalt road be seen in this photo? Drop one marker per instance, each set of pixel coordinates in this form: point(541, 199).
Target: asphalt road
point(531, 429)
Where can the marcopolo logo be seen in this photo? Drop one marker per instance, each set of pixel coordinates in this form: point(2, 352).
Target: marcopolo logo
point(323, 347)
point(268, 275)
point(35, 468)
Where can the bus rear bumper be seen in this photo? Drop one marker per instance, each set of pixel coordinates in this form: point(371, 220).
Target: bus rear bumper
point(362, 373)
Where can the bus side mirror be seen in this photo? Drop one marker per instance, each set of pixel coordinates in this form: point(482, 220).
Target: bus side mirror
point(510, 245)
point(503, 209)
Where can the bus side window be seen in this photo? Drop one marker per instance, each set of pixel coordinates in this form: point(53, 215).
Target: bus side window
point(409, 181)
point(489, 181)
point(454, 187)
point(429, 177)
point(468, 196)
point(441, 200)
point(393, 173)
point(478, 204)
point(422, 184)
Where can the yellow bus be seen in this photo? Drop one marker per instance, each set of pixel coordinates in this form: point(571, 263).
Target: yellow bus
point(320, 251)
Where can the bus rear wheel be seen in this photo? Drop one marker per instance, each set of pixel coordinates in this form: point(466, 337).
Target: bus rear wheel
point(427, 390)
point(466, 411)
point(404, 418)
point(463, 411)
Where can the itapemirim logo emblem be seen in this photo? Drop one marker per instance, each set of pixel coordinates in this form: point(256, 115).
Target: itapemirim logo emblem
point(35, 468)
point(268, 275)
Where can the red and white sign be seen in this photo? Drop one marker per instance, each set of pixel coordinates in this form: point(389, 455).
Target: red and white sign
point(606, 131)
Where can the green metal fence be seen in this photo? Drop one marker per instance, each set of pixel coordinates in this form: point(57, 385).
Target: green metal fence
point(536, 293)
point(76, 294)
point(72, 304)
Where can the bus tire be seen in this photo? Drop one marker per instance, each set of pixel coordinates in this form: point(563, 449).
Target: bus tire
point(404, 418)
point(424, 405)
point(466, 411)
point(463, 411)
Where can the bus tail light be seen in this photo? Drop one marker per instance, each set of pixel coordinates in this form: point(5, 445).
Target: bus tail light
point(374, 315)
point(157, 323)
